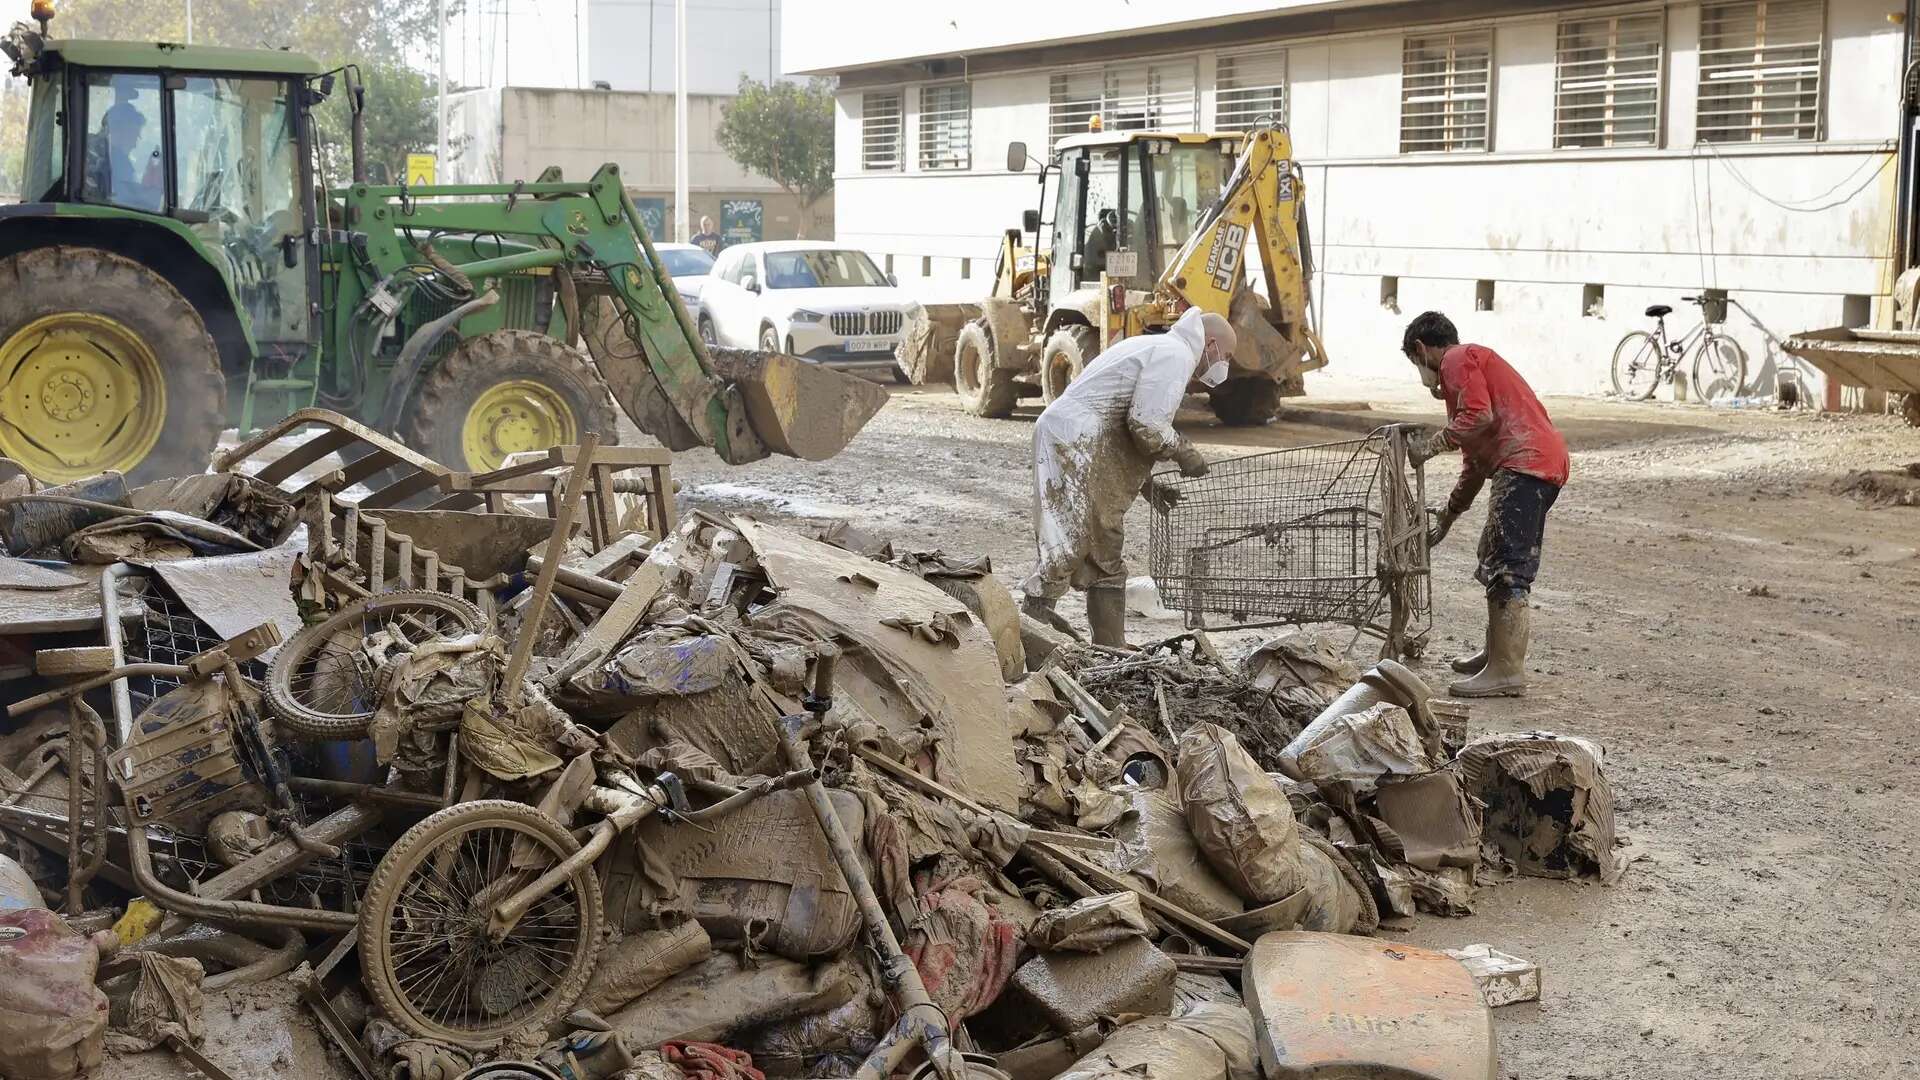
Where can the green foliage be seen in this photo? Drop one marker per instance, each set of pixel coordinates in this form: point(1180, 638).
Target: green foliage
point(13, 134)
point(386, 39)
point(783, 131)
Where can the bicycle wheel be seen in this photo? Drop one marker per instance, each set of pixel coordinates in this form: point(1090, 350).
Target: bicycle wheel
point(1719, 369)
point(321, 683)
point(1636, 366)
point(427, 958)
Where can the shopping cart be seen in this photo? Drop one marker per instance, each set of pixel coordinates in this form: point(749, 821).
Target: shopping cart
point(1331, 533)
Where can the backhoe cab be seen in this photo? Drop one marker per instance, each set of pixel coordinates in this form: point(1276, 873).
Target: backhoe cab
point(1132, 228)
point(181, 262)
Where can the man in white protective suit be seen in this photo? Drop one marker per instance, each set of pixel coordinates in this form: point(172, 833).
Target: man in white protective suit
point(1093, 449)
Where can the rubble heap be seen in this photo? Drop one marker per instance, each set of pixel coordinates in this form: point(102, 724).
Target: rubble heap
point(630, 793)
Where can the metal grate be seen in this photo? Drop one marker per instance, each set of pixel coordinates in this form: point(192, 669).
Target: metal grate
point(848, 322)
point(881, 131)
point(1760, 70)
point(1126, 97)
point(1328, 533)
point(168, 633)
point(945, 126)
point(1445, 100)
point(1607, 80)
point(884, 322)
point(1251, 91)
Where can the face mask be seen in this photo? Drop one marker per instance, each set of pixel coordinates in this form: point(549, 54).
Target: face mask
point(1215, 374)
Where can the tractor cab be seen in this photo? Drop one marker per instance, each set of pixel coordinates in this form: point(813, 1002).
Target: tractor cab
point(207, 140)
point(1123, 204)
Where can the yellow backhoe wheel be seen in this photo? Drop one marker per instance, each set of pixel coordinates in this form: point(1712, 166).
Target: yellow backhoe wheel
point(985, 388)
point(103, 365)
point(501, 393)
point(1248, 401)
point(1067, 353)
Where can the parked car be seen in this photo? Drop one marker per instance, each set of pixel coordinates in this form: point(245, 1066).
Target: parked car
point(812, 299)
point(689, 266)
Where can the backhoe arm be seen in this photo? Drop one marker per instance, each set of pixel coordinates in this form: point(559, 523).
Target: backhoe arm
point(1263, 197)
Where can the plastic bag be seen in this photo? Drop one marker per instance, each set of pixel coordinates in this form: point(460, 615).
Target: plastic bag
point(1239, 816)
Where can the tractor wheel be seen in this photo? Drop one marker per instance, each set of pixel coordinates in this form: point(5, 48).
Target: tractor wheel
point(985, 388)
point(504, 392)
point(1067, 354)
point(1245, 402)
point(103, 365)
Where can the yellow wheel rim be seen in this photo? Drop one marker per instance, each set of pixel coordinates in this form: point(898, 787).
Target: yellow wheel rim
point(513, 416)
point(79, 393)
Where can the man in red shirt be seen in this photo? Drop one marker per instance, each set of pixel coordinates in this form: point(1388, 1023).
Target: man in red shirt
point(1495, 420)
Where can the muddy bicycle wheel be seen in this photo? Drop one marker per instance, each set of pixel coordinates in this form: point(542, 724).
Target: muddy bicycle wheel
point(321, 683)
point(1636, 366)
point(1719, 369)
point(427, 957)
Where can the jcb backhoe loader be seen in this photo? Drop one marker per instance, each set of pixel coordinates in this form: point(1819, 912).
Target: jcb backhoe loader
point(1144, 225)
point(179, 264)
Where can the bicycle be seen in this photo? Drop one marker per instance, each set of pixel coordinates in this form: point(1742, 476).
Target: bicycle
point(1643, 360)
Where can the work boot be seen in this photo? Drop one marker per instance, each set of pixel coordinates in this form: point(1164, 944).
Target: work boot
point(1040, 609)
point(1469, 665)
point(1505, 671)
point(1107, 615)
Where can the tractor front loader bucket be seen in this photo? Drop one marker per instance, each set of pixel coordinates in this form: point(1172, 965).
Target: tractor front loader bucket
point(797, 408)
point(773, 403)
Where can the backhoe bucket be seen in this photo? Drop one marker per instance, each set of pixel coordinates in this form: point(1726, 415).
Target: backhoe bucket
point(926, 351)
point(799, 409)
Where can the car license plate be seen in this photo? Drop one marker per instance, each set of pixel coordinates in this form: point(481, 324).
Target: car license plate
point(868, 344)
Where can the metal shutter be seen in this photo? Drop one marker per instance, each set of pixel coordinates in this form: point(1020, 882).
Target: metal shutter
point(1760, 68)
point(1445, 104)
point(1607, 80)
point(1250, 90)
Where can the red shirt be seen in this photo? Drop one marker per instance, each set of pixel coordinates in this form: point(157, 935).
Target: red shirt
point(1494, 418)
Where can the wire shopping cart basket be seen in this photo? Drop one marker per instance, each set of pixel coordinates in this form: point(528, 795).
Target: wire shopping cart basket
point(1331, 533)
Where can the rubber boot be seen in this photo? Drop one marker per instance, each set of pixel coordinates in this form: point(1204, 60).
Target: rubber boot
point(1505, 674)
point(1469, 665)
point(1107, 615)
point(1040, 609)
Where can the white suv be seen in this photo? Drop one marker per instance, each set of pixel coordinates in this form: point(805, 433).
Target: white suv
point(812, 299)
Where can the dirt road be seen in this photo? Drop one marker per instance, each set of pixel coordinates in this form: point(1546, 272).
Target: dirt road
point(1746, 645)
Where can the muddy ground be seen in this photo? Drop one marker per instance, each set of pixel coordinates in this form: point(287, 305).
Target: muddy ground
point(1744, 641)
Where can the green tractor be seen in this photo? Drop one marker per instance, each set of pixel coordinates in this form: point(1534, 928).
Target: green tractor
point(179, 265)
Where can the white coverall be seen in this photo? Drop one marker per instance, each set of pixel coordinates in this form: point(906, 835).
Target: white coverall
point(1094, 447)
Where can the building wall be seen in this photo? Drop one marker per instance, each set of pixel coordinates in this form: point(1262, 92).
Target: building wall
point(515, 133)
point(627, 44)
point(1790, 229)
point(630, 44)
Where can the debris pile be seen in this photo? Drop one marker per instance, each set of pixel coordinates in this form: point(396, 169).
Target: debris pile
point(528, 771)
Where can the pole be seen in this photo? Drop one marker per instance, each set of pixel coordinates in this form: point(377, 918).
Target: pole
point(189, 22)
point(440, 124)
point(680, 150)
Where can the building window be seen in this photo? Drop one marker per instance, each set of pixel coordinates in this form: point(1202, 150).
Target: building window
point(945, 125)
point(1444, 100)
point(1607, 81)
point(1126, 97)
point(880, 131)
point(1251, 91)
point(1760, 70)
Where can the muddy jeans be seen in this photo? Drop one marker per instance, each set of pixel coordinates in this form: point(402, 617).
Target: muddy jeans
point(1516, 527)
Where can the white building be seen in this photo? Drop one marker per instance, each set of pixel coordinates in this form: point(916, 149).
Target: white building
point(1542, 171)
point(577, 83)
point(624, 44)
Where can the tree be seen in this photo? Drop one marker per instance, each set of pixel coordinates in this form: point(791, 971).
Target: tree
point(784, 131)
